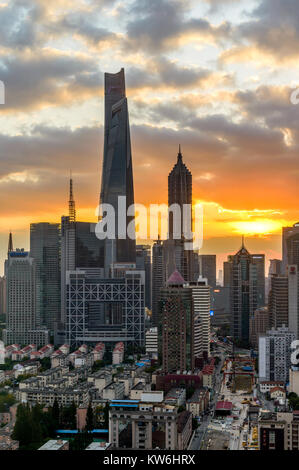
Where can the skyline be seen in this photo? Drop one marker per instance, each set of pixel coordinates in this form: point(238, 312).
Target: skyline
point(186, 84)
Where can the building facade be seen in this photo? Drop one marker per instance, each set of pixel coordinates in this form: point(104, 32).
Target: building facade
point(117, 171)
point(23, 325)
point(45, 250)
point(176, 326)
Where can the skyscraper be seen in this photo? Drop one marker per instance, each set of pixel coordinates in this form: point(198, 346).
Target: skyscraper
point(157, 278)
point(293, 300)
point(176, 325)
point(201, 295)
point(290, 246)
point(241, 276)
point(259, 261)
point(207, 268)
point(180, 193)
point(278, 301)
point(23, 324)
point(275, 354)
point(105, 310)
point(80, 247)
point(143, 263)
point(2, 295)
point(117, 172)
point(45, 249)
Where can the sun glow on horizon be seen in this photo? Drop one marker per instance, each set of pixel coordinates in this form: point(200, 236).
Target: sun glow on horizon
point(260, 227)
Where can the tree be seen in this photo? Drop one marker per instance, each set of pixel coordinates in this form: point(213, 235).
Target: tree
point(89, 418)
point(55, 412)
point(81, 441)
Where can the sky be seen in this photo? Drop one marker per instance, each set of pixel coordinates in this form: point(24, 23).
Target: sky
point(214, 76)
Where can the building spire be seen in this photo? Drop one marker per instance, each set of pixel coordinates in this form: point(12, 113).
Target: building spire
point(72, 208)
point(180, 156)
point(10, 243)
point(243, 244)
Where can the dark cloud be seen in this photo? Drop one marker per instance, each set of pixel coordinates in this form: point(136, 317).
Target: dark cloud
point(34, 80)
point(19, 21)
point(84, 24)
point(274, 27)
point(163, 72)
point(159, 24)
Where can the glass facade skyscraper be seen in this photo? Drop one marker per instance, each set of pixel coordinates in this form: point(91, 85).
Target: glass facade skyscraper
point(45, 250)
point(117, 173)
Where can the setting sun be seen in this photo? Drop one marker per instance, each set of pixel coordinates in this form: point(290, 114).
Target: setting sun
point(256, 227)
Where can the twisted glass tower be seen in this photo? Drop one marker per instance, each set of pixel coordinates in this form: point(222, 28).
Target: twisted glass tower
point(117, 173)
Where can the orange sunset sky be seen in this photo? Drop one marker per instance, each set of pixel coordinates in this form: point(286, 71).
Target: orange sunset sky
point(214, 76)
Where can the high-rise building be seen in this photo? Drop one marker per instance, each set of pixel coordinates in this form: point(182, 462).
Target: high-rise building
point(176, 325)
point(80, 247)
point(207, 268)
point(143, 262)
point(275, 355)
point(107, 310)
point(23, 324)
point(259, 325)
point(179, 193)
point(157, 278)
point(278, 301)
point(293, 298)
point(259, 260)
point(220, 306)
point(241, 275)
point(2, 295)
point(201, 296)
point(290, 246)
point(117, 172)
point(45, 249)
point(275, 267)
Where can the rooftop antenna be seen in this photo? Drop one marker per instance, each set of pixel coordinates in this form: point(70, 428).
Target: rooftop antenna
point(180, 156)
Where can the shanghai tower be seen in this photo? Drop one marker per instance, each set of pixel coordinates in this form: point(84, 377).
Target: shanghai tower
point(117, 172)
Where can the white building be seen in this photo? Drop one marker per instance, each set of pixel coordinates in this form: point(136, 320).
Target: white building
point(201, 294)
point(275, 354)
point(151, 342)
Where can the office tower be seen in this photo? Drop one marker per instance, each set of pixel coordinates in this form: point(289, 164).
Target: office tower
point(143, 262)
point(201, 296)
point(176, 325)
point(275, 267)
point(220, 306)
point(241, 276)
point(293, 300)
point(275, 354)
point(259, 325)
point(22, 320)
point(80, 247)
point(2, 296)
point(227, 273)
point(259, 260)
point(151, 342)
point(220, 278)
point(180, 193)
point(105, 310)
point(207, 268)
point(196, 272)
point(278, 301)
point(290, 246)
point(45, 250)
point(157, 278)
point(117, 172)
